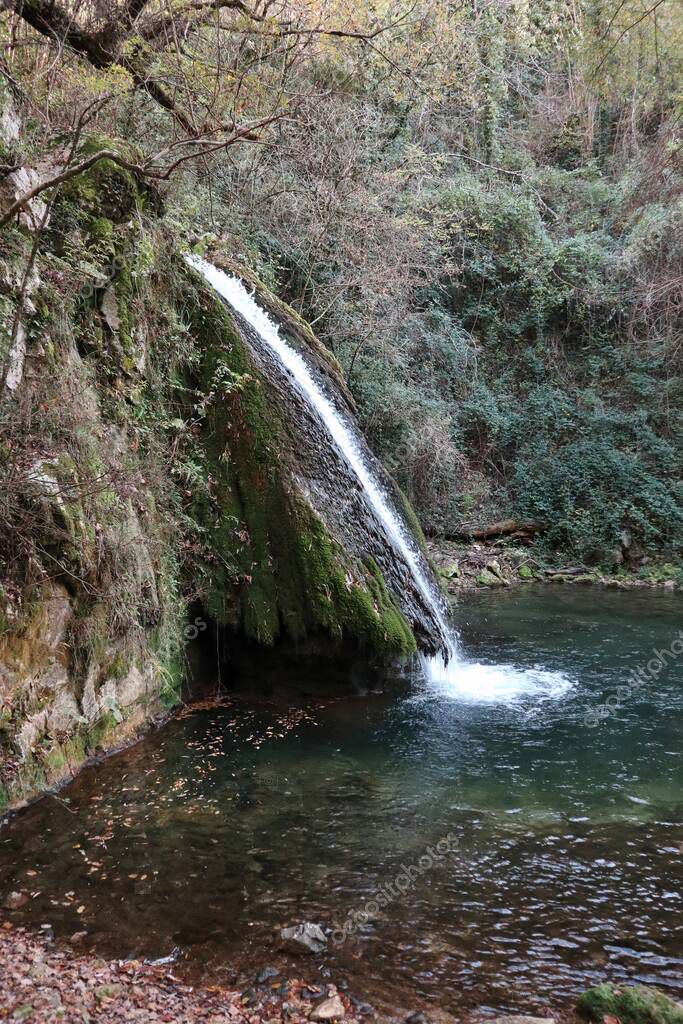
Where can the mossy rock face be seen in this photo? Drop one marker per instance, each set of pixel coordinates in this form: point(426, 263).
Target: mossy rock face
point(637, 1005)
point(272, 567)
point(170, 462)
point(278, 470)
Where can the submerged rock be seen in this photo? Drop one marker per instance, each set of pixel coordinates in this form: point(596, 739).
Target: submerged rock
point(304, 936)
point(15, 900)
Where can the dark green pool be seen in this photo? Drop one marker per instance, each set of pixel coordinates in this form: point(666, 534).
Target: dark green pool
point(560, 823)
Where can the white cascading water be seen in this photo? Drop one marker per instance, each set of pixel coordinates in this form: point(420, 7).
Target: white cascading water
point(446, 671)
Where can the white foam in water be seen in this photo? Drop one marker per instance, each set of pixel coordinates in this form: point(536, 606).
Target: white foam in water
point(491, 684)
point(238, 296)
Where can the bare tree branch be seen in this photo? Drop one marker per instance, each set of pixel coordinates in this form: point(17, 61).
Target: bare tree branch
point(200, 147)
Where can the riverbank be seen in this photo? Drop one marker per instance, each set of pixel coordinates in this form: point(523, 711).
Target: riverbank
point(44, 982)
point(475, 566)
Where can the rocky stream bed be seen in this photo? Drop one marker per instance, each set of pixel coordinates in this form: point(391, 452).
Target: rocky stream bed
point(44, 983)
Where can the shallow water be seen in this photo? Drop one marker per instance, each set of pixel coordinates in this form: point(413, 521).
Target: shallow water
point(565, 837)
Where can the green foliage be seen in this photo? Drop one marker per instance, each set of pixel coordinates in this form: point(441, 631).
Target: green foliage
point(530, 376)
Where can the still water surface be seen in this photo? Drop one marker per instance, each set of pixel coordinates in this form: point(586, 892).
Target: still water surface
point(566, 840)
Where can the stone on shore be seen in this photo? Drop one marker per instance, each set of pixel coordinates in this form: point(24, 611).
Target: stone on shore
point(331, 1008)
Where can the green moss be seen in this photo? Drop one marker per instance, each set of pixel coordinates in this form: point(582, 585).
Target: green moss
point(235, 510)
point(662, 573)
point(270, 565)
point(413, 522)
point(101, 731)
point(637, 1005)
point(105, 193)
point(360, 608)
point(54, 761)
point(101, 230)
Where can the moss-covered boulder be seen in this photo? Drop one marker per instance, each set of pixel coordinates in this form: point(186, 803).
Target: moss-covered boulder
point(637, 1005)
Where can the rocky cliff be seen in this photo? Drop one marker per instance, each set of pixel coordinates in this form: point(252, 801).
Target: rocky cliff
point(154, 460)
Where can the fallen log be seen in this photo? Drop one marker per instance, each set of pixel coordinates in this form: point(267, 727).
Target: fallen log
point(578, 570)
point(504, 528)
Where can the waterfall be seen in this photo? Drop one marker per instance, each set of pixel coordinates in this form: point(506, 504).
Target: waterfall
point(446, 674)
point(347, 441)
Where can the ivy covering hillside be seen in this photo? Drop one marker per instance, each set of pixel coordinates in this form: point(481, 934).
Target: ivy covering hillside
point(477, 206)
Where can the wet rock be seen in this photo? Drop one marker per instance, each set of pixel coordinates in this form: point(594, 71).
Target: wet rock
point(523, 1020)
point(303, 936)
point(331, 1008)
point(363, 1009)
point(15, 900)
point(489, 579)
point(417, 1018)
point(266, 974)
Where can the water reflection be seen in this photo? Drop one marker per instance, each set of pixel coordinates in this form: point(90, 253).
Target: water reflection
point(228, 823)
